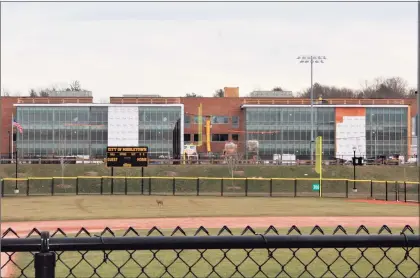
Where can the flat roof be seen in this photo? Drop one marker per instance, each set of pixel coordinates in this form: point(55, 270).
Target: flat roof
point(321, 105)
point(96, 105)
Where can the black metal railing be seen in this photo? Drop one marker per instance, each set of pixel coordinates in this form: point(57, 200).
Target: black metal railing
point(209, 253)
point(406, 191)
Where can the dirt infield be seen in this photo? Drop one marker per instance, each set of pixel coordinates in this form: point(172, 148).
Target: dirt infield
point(71, 226)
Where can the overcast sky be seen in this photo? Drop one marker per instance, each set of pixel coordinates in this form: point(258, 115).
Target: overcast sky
point(176, 48)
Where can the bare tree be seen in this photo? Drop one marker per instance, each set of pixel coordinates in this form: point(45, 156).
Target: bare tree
point(5, 92)
point(412, 93)
point(44, 93)
point(32, 93)
point(219, 93)
point(192, 95)
point(75, 86)
point(278, 89)
point(232, 161)
point(394, 87)
point(328, 92)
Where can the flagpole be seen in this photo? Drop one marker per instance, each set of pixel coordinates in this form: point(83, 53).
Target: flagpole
point(11, 138)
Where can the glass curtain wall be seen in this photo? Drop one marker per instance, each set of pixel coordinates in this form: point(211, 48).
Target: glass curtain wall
point(62, 131)
point(386, 131)
point(156, 126)
point(287, 130)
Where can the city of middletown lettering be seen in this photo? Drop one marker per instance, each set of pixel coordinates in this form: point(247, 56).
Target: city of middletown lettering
point(134, 149)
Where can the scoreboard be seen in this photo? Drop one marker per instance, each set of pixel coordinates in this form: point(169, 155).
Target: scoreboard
point(126, 156)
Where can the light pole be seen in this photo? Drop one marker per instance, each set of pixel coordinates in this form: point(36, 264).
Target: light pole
point(305, 60)
point(10, 149)
point(376, 137)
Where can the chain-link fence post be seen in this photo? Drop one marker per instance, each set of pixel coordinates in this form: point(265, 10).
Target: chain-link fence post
point(52, 186)
point(347, 188)
point(221, 187)
point(45, 259)
point(150, 186)
point(173, 186)
point(125, 185)
point(246, 186)
point(102, 186)
point(271, 187)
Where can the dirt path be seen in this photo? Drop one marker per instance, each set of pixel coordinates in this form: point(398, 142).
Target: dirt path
point(23, 228)
point(72, 226)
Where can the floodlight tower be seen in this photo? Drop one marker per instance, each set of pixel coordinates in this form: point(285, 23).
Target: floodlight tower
point(305, 59)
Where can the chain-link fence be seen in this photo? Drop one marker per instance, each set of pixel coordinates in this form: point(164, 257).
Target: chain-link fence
point(213, 186)
point(213, 253)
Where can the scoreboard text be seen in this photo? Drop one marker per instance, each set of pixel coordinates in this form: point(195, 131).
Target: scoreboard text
point(126, 156)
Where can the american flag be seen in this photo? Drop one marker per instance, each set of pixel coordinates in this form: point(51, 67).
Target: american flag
point(18, 126)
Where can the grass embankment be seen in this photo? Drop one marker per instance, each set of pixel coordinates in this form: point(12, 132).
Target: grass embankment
point(409, 173)
point(175, 184)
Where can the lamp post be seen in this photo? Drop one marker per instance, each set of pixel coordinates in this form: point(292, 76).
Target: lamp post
point(10, 149)
point(305, 60)
point(354, 170)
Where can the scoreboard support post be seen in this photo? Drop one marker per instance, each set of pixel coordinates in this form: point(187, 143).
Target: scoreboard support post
point(142, 180)
point(112, 178)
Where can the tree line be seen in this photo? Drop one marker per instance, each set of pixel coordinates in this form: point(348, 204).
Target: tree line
point(47, 91)
point(380, 88)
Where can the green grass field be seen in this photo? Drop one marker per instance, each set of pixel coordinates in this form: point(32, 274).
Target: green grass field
point(200, 262)
point(106, 207)
point(122, 263)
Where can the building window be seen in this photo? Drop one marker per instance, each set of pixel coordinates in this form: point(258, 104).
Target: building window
point(195, 137)
point(219, 137)
point(187, 120)
point(235, 137)
point(235, 121)
point(187, 137)
point(196, 119)
point(219, 120)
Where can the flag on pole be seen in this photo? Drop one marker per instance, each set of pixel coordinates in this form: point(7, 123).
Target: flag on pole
point(18, 126)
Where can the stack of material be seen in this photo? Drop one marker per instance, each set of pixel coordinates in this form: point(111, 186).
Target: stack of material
point(231, 148)
point(252, 145)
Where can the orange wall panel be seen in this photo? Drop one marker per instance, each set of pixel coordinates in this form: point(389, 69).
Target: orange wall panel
point(341, 112)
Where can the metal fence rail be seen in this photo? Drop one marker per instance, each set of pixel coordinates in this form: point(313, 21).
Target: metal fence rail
point(207, 253)
point(212, 186)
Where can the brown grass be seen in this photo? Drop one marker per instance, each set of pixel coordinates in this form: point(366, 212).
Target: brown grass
point(107, 207)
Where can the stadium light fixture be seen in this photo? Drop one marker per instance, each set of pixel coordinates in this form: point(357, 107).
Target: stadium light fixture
point(312, 59)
